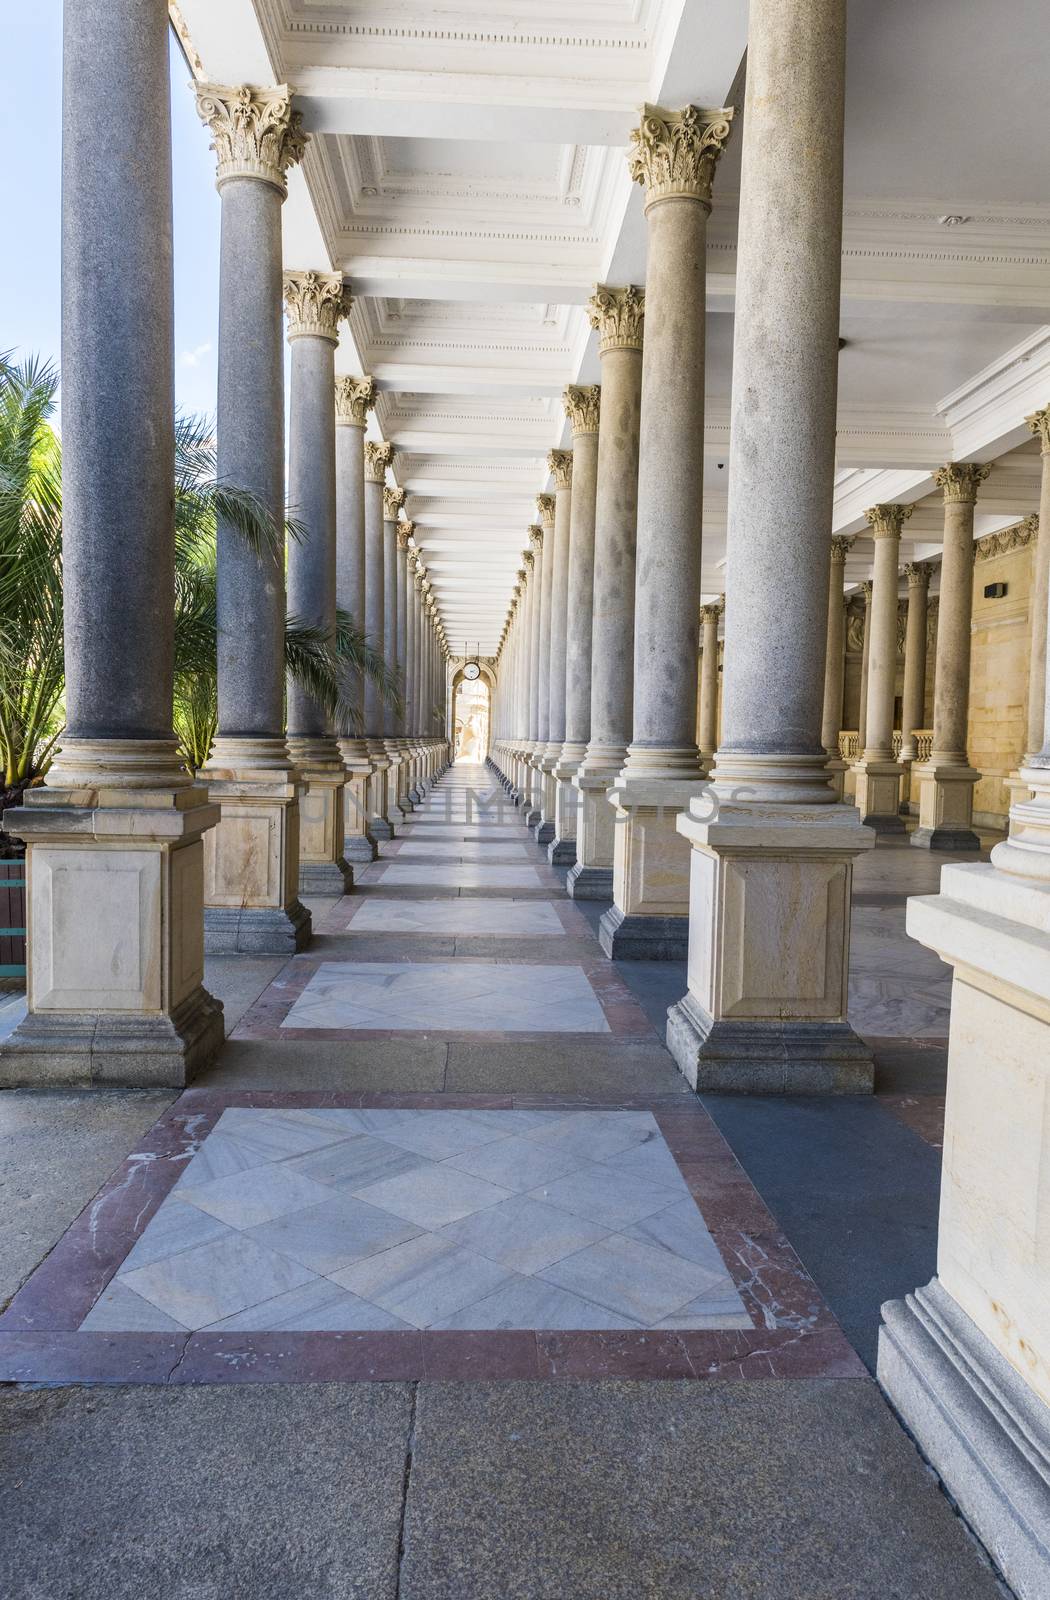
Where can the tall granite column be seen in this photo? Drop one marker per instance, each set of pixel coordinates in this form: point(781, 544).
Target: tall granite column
point(617, 315)
point(251, 860)
point(316, 303)
point(707, 719)
point(354, 398)
point(773, 850)
point(865, 659)
point(419, 787)
point(835, 665)
point(913, 700)
point(1039, 423)
point(878, 776)
point(378, 456)
point(405, 561)
point(115, 859)
point(524, 685)
point(582, 406)
point(965, 1359)
point(675, 155)
point(946, 781)
point(560, 464)
point(393, 501)
point(542, 802)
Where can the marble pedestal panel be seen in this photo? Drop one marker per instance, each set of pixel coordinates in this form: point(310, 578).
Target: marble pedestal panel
point(323, 869)
point(379, 824)
point(543, 826)
point(562, 849)
point(649, 917)
point(878, 795)
point(358, 842)
point(592, 876)
point(769, 920)
point(966, 1361)
point(945, 807)
point(116, 940)
point(251, 865)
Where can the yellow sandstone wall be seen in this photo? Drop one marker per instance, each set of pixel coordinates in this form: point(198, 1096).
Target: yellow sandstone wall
point(999, 675)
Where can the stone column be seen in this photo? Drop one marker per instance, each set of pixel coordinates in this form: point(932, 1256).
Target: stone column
point(913, 702)
point(559, 463)
point(878, 776)
point(772, 848)
point(675, 155)
point(865, 658)
point(405, 562)
point(415, 675)
point(115, 858)
point(966, 1359)
point(582, 408)
point(835, 663)
point(1039, 423)
point(523, 684)
point(378, 456)
point(618, 315)
point(707, 721)
point(251, 860)
point(542, 803)
point(393, 501)
point(316, 302)
point(354, 398)
point(946, 781)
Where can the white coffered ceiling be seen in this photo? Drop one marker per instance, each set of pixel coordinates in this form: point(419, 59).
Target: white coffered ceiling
point(467, 173)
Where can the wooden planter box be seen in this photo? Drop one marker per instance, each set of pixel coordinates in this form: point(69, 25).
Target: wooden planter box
point(12, 919)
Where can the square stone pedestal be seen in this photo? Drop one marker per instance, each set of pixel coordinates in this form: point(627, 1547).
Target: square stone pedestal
point(966, 1361)
point(562, 849)
point(837, 770)
point(323, 869)
point(116, 939)
point(379, 823)
point(878, 795)
point(592, 876)
point(769, 916)
point(945, 807)
point(358, 843)
point(543, 826)
point(251, 864)
point(649, 917)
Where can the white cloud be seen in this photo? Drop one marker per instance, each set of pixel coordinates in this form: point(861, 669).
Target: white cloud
point(193, 358)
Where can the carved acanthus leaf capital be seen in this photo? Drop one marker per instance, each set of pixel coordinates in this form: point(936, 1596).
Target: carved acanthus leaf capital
point(522, 575)
point(378, 456)
point(710, 613)
point(393, 500)
point(866, 587)
point(530, 561)
point(535, 533)
point(545, 506)
point(354, 399)
point(582, 406)
point(840, 548)
point(255, 132)
point(886, 521)
point(918, 574)
point(317, 302)
point(1039, 422)
point(618, 317)
point(674, 153)
point(959, 481)
point(559, 465)
point(405, 530)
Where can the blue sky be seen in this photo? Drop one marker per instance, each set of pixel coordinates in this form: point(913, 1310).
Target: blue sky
point(30, 130)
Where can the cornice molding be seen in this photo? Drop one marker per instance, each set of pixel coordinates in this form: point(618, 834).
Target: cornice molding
point(1003, 543)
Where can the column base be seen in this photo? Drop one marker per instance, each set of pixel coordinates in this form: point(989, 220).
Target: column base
point(945, 807)
point(318, 879)
point(112, 1048)
point(322, 814)
point(776, 1057)
point(836, 770)
point(589, 883)
point(542, 832)
point(878, 795)
point(643, 938)
point(561, 852)
point(257, 930)
point(978, 1424)
point(360, 847)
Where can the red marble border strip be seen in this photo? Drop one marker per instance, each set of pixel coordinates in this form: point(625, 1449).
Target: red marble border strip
point(794, 1335)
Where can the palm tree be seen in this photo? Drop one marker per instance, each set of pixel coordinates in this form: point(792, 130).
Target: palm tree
point(31, 659)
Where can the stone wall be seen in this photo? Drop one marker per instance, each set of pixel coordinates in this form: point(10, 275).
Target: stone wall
point(999, 669)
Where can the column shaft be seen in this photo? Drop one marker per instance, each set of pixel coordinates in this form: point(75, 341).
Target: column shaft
point(707, 721)
point(878, 776)
point(834, 666)
point(354, 398)
point(913, 701)
point(582, 406)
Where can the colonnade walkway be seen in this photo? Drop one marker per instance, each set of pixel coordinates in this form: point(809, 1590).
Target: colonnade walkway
point(442, 1283)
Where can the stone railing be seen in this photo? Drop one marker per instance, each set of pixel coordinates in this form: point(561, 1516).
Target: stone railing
point(923, 743)
point(849, 745)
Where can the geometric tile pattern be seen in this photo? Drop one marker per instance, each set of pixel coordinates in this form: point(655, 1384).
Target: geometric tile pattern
point(344, 1219)
point(513, 918)
point(477, 996)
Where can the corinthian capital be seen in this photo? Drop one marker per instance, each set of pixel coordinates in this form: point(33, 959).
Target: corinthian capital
point(918, 574)
point(317, 302)
point(393, 500)
point(582, 407)
point(405, 530)
point(840, 548)
point(255, 132)
point(1039, 422)
point(959, 481)
point(535, 533)
point(711, 613)
point(545, 507)
point(354, 399)
point(530, 561)
point(559, 465)
point(886, 521)
point(675, 152)
point(618, 316)
point(378, 456)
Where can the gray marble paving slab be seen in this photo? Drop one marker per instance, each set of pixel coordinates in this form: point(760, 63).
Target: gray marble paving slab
point(630, 1278)
point(247, 1198)
point(214, 1281)
point(433, 1196)
point(321, 1306)
point(523, 1234)
point(521, 919)
point(533, 1303)
point(423, 1281)
point(335, 1234)
point(614, 1198)
point(518, 1164)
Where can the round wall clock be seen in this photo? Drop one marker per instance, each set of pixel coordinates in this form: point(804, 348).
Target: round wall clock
point(472, 671)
